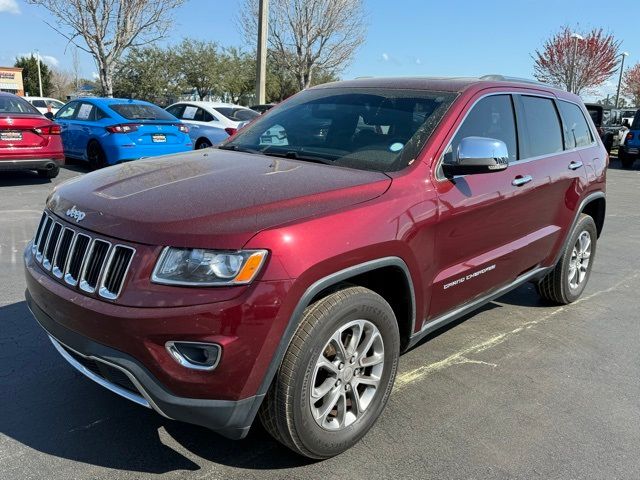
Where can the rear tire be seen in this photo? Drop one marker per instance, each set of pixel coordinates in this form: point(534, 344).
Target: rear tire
point(203, 143)
point(96, 156)
point(49, 172)
point(321, 404)
point(566, 282)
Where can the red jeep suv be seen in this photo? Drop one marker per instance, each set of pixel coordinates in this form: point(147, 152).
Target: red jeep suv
point(282, 274)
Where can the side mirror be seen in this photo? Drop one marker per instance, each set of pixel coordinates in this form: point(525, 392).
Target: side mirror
point(477, 155)
point(49, 115)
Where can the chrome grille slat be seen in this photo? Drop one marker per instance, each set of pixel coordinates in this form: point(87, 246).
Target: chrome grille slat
point(82, 261)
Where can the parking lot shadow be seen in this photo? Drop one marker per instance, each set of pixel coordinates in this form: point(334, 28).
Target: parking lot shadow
point(26, 177)
point(49, 407)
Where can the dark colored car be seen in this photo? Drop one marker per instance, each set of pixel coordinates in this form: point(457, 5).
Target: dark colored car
point(262, 108)
point(283, 281)
point(629, 151)
point(28, 140)
point(600, 115)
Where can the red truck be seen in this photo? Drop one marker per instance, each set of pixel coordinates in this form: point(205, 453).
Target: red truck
point(283, 280)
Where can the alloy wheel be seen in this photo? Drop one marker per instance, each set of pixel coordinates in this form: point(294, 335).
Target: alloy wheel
point(579, 261)
point(347, 375)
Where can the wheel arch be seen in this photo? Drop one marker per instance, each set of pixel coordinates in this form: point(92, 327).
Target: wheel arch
point(596, 209)
point(399, 293)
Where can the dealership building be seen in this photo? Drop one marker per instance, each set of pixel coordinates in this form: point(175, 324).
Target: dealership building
point(11, 80)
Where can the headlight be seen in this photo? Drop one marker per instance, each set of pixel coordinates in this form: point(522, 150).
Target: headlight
point(199, 267)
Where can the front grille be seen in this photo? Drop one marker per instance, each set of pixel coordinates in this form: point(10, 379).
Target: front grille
point(92, 264)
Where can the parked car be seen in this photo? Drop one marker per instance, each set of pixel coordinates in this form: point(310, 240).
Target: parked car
point(599, 115)
point(629, 150)
point(222, 115)
point(203, 134)
point(106, 131)
point(28, 140)
point(262, 107)
point(284, 281)
point(45, 104)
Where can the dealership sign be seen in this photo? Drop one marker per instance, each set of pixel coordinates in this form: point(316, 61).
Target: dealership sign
point(8, 75)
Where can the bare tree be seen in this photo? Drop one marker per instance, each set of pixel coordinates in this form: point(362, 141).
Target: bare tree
point(110, 27)
point(574, 64)
point(75, 63)
point(308, 35)
point(62, 84)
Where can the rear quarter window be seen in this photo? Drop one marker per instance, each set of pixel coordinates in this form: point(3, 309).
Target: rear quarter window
point(542, 126)
point(576, 130)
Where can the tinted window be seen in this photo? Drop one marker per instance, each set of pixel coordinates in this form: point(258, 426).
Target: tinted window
point(636, 121)
point(576, 129)
point(369, 129)
point(39, 103)
point(203, 116)
point(68, 111)
point(542, 131)
point(176, 110)
point(491, 117)
point(11, 104)
point(55, 103)
point(238, 114)
point(140, 111)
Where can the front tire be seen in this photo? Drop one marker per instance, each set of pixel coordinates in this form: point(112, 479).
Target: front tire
point(336, 376)
point(203, 143)
point(566, 282)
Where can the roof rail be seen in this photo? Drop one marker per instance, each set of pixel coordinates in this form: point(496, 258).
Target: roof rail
point(504, 78)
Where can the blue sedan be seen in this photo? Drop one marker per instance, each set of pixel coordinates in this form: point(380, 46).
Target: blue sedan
point(105, 131)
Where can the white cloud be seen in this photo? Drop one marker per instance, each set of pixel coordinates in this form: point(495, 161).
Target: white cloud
point(9, 6)
point(48, 59)
point(385, 56)
point(95, 75)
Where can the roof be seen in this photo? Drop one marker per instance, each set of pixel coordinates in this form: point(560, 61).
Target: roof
point(442, 84)
point(200, 103)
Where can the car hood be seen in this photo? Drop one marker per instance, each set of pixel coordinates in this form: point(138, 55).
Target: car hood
point(209, 198)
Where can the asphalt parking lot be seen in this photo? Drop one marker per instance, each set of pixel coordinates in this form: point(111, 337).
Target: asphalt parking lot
point(520, 389)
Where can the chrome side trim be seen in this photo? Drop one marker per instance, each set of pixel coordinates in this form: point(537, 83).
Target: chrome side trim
point(458, 312)
point(140, 400)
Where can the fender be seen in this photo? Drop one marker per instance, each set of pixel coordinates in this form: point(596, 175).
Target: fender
point(317, 287)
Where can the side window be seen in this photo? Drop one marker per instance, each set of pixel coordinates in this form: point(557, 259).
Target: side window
point(86, 112)
point(576, 130)
point(543, 132)
point(189, 112)
point(69, 111)
point(176, 110)
point(202, 116)
point(491, 117)
point(99, 114)
point(39, 103)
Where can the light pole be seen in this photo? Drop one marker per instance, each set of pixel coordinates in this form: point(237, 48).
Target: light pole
point(261, 64)
point(39, 74)
point(572, 80)
point(623, 54)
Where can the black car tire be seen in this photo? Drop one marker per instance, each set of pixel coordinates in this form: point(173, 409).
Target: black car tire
point(49, 172)
point(555, 286)
point(626, 161)
point(286, 412)
point(96, 156)
point(203, 143)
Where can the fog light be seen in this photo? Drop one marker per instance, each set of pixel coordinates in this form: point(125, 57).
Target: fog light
point(195, 355)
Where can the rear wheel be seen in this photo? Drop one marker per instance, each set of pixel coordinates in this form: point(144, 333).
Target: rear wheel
point(96, 156)
point(566, 282)
point(203, 143)
point(51, 172)
point(336, 376)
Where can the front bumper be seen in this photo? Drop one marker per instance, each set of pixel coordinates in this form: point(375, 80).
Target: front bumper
point(28, 164)
point(125, 376)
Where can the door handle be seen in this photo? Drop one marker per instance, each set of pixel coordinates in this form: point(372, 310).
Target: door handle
point(521, 180)
point(575, 165)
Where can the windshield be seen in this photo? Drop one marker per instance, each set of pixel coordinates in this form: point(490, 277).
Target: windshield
point(16, 105)
point(237, 114)
point(364, 128)
point(140, 111)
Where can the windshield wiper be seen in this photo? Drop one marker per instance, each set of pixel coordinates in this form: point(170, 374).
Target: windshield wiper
point(238, 148)
point(296, 155)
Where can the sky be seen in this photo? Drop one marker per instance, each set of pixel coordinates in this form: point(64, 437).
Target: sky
point(404, 37)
